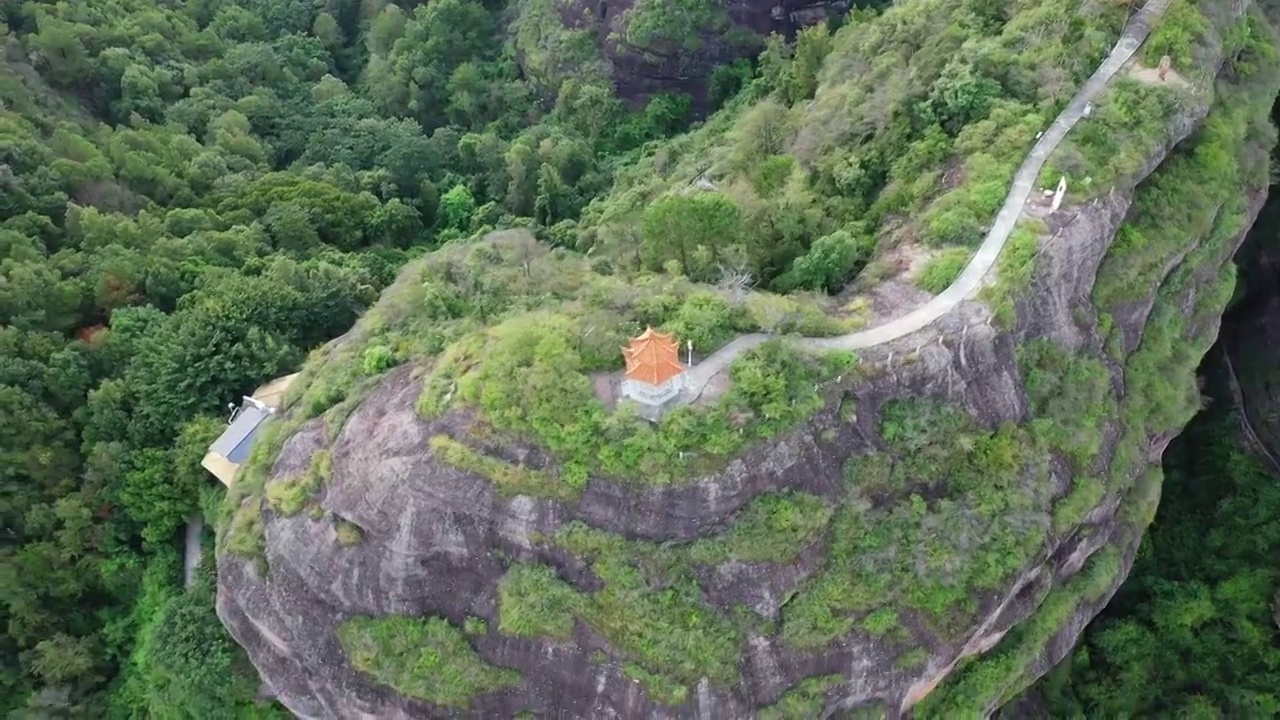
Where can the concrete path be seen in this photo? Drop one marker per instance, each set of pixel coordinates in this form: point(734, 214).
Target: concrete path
point(975, 274)
point(191, 550)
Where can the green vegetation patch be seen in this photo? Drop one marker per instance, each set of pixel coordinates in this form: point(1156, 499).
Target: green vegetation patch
point(424, 658)
point(1071, 399)
point(952, 510)
point(985, 683)
point(1086, 493)
point(287, 496)
point(1181, 27)
point(806, 700)
point(658, 687)
point(1014, 269)
point(913, 659)
point(246, 533)
point(348, 533)
point(1183, 201)
point(533, 602)
point(528, 377)
point(943, 269)
point(1162, 393)
point(507, 479)
point(652, 608)
point(881, 622)
point(772, 528)
point(989, 152)
point(1130, 120)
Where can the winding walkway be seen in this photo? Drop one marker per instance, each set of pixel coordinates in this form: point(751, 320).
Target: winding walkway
point(974, 275)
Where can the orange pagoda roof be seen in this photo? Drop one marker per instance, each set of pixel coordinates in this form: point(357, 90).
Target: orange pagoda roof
point(652, 358)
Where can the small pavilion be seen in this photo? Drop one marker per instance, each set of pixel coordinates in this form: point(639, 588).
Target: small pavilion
point(654, 376)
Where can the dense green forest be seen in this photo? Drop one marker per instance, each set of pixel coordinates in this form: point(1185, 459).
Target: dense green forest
point(194, 195)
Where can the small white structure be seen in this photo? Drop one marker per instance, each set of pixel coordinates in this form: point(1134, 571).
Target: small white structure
point(1060, 193)
point(654, 376)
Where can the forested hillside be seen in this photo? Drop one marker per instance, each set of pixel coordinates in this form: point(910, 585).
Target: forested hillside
point(194, 196)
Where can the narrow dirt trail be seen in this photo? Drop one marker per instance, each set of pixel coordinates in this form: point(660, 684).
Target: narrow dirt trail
point(976, 272)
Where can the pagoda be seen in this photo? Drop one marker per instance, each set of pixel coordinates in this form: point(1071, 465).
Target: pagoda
point(654, 376)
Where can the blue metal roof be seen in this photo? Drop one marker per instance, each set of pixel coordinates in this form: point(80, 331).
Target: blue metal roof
point(235, 441)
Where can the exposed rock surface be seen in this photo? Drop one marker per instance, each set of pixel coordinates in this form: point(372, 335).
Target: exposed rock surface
point(437, 540)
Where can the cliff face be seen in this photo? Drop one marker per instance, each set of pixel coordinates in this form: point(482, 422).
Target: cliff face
point(1048, 428)
point(652, 46)
point(1251, 337)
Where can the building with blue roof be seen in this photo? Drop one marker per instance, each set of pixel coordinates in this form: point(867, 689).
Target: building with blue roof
point(232, 447)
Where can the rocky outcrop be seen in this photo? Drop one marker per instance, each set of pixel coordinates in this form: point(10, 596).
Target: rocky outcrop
point(436, 540)
point(641, 60)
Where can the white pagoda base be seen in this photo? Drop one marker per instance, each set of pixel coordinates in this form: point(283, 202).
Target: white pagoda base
point(652, 401)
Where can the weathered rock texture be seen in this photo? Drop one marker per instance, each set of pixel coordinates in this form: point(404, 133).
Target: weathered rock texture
point(437, 539)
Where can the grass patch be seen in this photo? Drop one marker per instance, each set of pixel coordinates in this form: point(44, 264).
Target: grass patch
point(943, 269)
point(533, 602)
point(507, 479)
point(1013, 271)
point(246, 536)
point(772, 528)
point(913, 659)
point(658, 687)
point(881, 622)
point(424, 658)
point(1086, 493)
point(288, 496)
point(806, 700)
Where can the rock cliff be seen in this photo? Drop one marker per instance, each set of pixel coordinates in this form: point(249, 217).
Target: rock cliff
point(929, 528)
point(1251, 342)
point(649, 46)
